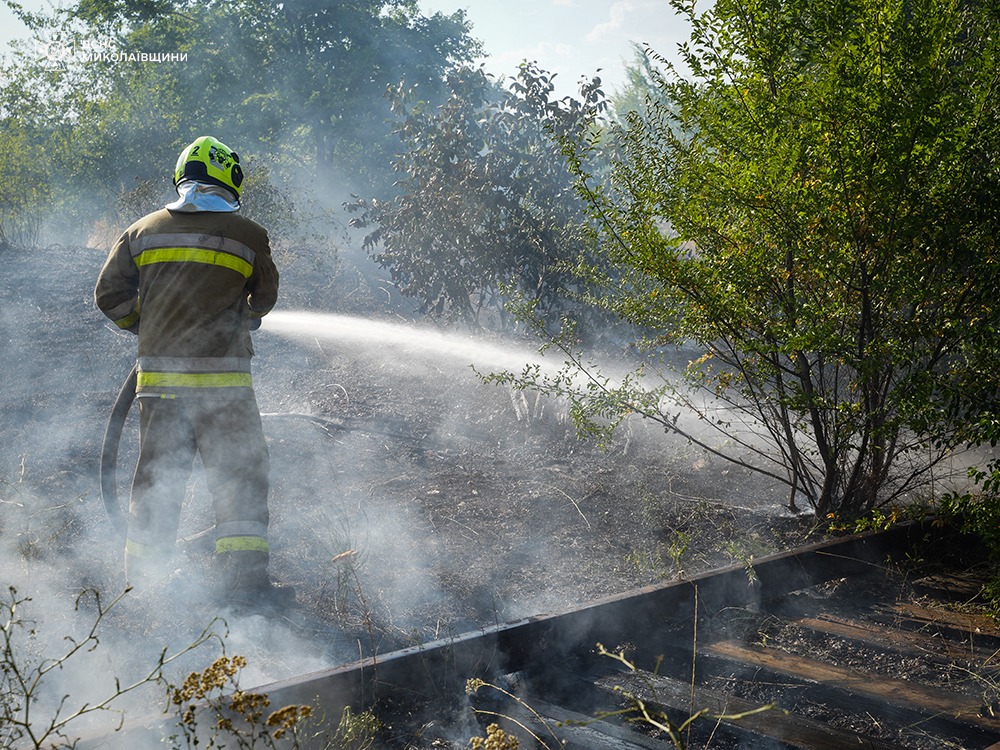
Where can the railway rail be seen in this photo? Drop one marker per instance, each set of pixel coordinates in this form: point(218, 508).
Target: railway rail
point(827, 647)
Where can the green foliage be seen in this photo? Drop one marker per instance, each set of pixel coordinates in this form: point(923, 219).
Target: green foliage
point(485, 209)
point(24, 190)
point(881, 519)
point(107, 93)
point(307, 77)
point(42, 99)
point(816, 209)
point(976, 514)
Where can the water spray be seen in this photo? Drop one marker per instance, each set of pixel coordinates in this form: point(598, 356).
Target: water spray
point(293, 324)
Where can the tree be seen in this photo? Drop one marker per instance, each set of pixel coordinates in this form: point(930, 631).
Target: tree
point(43, 98)
point(486, 209)
point(310, 76)
point(111, 91)
point(817, 210)
point(24, 190)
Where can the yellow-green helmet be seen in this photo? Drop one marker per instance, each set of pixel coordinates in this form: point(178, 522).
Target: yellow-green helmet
point(209, 160)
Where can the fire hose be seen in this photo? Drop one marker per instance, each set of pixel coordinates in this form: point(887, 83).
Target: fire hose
point(109, 451)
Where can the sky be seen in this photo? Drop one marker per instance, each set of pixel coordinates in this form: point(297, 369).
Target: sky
point(571, 38)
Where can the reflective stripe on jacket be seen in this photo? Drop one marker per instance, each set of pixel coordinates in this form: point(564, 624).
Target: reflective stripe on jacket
point(189, 248)
point(189, 284)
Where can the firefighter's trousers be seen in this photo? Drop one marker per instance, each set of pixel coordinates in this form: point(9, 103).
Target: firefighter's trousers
point(225, 429)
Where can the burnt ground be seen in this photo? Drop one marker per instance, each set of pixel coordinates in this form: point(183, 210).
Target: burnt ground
point(437, 481)
point(467, 507)
point(421, 503)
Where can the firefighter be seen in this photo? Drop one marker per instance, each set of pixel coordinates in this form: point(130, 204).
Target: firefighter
point(192, 280)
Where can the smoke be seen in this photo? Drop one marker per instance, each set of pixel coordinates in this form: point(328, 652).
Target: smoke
point(414, 453)
point(413, 417)
point(360, 515)
point(60, 558)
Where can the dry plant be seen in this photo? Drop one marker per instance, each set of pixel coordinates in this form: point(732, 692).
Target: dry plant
point(985, 678)
point(356, 731)
point(25, 677)
point(640, 711)
point(496, 738)
point(212, 711)
point(637, 710)
point(35, 525)
point(233, 713)
point(215, 712)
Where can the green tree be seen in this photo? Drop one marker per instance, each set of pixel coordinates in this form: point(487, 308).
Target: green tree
point(111, 91)
point(486, 209)
point(24, 189)
point(309, 75)
point(816, 210)
point(44, 96)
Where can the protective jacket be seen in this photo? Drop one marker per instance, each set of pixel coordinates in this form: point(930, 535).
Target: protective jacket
point(189, 283)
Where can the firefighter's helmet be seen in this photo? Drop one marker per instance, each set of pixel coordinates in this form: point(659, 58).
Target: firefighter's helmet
point(209, 160)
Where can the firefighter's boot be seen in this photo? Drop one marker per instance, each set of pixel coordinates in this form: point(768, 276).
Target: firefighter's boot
point(245, 581)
